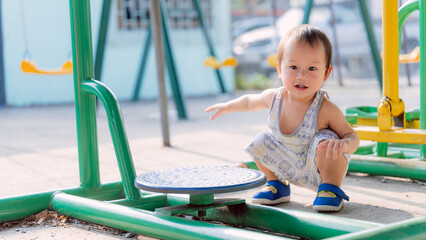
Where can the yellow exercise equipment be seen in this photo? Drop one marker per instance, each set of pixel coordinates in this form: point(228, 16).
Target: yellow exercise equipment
point(29, 66)
point(390, 109)
point(401, 135)
point(391, 121)
point(213, 63)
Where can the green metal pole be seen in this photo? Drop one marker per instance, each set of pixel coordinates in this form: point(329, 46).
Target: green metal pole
point(207, 37)
point(292, 222)
point(118, 135)
point(422, 39)
point(307, 11)
point(365, 150)
point(2, 80)
point(147, 223)
point(371, 40)
point(407, 229)
point(403, 12)
point(174, 81)
point(388, 169)
point(102, 36)
point(85, 104)
point(296, 223)
point(379, 167)
point(382, 149)
point(336, 50)
point(21, 206)
point(142, 64)
point(148, 202)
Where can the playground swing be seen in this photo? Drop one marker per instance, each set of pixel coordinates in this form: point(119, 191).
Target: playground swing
point(28, 65)
point(214, 63)
point(272, 60)
point(411, 57)
point(211, 61)
point(414, 55)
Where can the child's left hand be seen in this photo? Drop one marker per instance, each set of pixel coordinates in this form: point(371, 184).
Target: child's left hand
point(335, 147)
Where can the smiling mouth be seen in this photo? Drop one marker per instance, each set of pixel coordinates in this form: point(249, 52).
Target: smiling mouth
point(300, 86)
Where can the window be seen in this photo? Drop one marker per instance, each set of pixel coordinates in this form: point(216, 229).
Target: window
point(181, 14)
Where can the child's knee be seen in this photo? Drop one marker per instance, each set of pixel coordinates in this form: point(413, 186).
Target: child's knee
point(321, 157)
point(262, 138)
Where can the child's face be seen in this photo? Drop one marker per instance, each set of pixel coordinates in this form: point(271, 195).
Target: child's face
point(303, 68)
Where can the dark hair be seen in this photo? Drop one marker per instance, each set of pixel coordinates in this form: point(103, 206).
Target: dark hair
point(306, 34)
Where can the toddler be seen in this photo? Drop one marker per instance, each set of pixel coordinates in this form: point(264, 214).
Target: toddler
point(310, 139)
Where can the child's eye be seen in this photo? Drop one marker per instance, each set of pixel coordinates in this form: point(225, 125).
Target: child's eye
point(312, 68)
point(293, 67)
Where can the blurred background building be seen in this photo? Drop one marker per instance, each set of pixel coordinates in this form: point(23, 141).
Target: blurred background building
point(259, 24)
point(42, 29)
point(247, 29)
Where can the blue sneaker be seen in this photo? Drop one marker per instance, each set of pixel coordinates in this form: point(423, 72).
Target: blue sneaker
point(331, 203)
point(274, 192)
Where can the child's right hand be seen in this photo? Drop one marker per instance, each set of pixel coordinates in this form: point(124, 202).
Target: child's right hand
point(219, 108)
point(334, 147)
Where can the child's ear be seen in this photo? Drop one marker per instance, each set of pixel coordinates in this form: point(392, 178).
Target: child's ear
point(327, 73)
point(279, 69)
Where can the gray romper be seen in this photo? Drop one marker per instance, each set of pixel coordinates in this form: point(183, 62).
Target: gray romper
point(292, 157)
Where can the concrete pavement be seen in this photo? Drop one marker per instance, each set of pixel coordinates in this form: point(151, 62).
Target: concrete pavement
point(38, 152)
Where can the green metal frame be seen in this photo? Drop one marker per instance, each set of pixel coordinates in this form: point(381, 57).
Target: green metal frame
point(85, 104)
point(2, 79)
point(414, 226)
point(173, 76)
point(170, 62)
point(118, 135)
point(142, 64)
point(207, 38)
point(422, 25)
point(121, 205)
point(102, 36)
point(371, 40)
point(209, 42)
point(307, 11)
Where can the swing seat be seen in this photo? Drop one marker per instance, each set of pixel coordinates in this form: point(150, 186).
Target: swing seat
point(29, 66)
point(213, 63)
point(412, 57)
point(231, 62)
point(272, 60)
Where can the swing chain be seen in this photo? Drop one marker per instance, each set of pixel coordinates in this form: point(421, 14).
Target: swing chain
point(24, 28)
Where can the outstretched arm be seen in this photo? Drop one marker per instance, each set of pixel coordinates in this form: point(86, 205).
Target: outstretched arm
point(248, 102)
